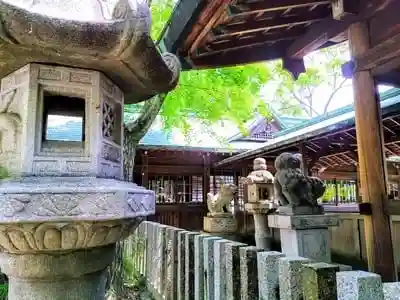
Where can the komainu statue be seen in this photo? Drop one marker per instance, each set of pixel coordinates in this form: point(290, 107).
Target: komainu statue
point(260, 174)
point(292, 187)
point(219, 203)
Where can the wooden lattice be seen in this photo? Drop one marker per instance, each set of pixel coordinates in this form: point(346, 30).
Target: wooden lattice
point(177, 189)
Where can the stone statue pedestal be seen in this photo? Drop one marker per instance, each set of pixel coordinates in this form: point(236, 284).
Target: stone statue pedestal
point(220, 224)
point(260, 211)
point(305, 235)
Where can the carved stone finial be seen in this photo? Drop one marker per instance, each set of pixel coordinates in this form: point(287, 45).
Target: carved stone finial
point(296, 192)
point(259, 173)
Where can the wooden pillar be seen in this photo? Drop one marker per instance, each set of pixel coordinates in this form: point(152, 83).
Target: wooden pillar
point(304, 164)
point(206, 176)
point(371, 161)
point(145, 169)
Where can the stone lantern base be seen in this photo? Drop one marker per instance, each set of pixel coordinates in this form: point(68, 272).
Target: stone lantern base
point(58, 234)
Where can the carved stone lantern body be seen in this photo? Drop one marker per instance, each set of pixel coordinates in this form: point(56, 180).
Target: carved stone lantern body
point(38, 98)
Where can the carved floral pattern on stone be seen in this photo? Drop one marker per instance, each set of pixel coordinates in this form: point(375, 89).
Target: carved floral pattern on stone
point(11, 205)
point(139, 202)
point(30, 238)
point(59, 205)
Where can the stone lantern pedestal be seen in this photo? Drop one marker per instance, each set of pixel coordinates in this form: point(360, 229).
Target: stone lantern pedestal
point(260, 211)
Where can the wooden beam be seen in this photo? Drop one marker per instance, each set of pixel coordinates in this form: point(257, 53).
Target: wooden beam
point(217, 44)
point(206, 176)
point(319, 34)
point(226, 30)
point(371, 162)
point(241, 56)
point(382, 58)
point(245, 8)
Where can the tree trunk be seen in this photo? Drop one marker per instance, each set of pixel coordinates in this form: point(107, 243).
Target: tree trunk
point(134, 131)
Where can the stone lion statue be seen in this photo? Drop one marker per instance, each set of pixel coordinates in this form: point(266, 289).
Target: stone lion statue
point(291, 186)
point(220, 202)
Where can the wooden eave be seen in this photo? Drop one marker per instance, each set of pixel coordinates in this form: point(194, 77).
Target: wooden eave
point(229, 32)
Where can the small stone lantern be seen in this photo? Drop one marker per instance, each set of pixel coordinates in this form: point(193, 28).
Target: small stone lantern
point(260, 202)
point(65, 207)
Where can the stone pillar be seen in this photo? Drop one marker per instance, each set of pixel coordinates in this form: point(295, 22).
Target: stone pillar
point(189, 265)
point(209, 267)
point(268, 275)
point(220, 276)
point(199, 266)
point(58, 276)
point(319, 281)
point(305, 235)
point(171, 286)
point(290, 279)
point(260, 211)
point(359, 285)
point(181, 276)
point(232, 262)
point(248, 273)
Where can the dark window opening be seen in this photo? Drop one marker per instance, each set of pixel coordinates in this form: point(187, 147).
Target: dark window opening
point(63, 118)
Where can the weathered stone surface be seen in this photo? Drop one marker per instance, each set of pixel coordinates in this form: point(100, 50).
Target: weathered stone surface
point(319, 281)
point(58, 276)
point(220, 270)
point(121, 47)
point(189, 265)
point(171, 286)
point(225, 224)
point(300, 189)
point(248, 273)
point(199, 266)
point(302, 221)
point(391, 290)
point(210, 263)
point(220, 202)
point(268, 274)
point(160, 258)
point(290, 279)
point(359, 285)
point(305, 236)
point(233, 270)
point(181, 275)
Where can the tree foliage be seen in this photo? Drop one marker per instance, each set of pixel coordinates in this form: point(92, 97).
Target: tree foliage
point(212, 95)
point(323, 71)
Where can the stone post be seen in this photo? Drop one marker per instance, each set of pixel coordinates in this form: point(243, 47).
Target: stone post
point(210, 263)
point(319, 281)
point(220, 270)
point(290, 279)
point(359, 285)
point(232, 263)
point(268, 275)
point(199, 266)
point(305, 235)
point(249, 273)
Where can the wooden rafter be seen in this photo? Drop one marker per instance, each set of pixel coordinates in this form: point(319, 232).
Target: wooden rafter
point(244, 8)
point(226, 30)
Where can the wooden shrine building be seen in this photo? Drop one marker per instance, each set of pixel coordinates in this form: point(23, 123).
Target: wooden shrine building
point(209, 34)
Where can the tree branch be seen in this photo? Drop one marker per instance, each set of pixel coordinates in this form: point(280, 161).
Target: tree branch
point(312, 110)
point(333, 94)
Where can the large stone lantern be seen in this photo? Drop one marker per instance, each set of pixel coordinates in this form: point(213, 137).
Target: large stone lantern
point(65, 206)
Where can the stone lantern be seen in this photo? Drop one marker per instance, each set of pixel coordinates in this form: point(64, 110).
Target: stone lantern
point(65, 207)
point(260, 201)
